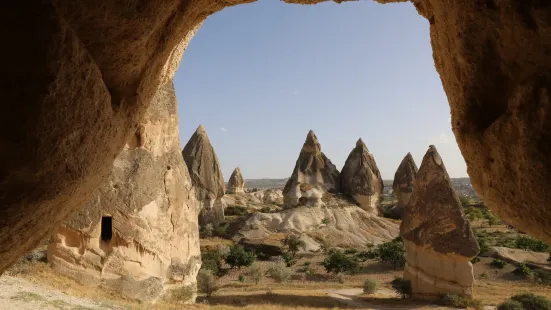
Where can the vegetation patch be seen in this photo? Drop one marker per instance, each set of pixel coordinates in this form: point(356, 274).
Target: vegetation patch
point(457, 301)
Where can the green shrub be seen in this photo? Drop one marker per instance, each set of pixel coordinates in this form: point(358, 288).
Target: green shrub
point(524, 271)
point(351, 251)
point(220, 231)
point(325, 221)
point(498, 263)
point(530, 244)
point(365, 255)
point(307, 263)
point(370, 286)
point(482, 240)
point(475, 260)
point(338, 262)
point(289, 259)
point(206, 283)
point(239, 257)
point(392, 252)
point(549, 258)
point(533, 302)
point(207, 230)
point(211, 261)
point(457, 301)
point(542, 276)
point(465, 200)
point(510, 305)
point(266, 209)
point(241, 278)
point(279, 272)
point(235, 210)
point(473, 214)
point(293, 244)
point(256, 273)
point(401, 286)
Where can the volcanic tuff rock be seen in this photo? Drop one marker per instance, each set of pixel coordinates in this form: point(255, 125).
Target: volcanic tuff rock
point(236, 183)
point(361, 179)
point(313, 176)
point(438, 238)
point(138, 235)
point(339, 222)
point(206, 177)
point(403, 186)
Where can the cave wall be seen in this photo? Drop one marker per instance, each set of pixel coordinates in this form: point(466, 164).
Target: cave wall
point(79, 75)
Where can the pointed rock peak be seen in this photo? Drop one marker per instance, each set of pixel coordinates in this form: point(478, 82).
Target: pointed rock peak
point(432, 154)
point(360, 145)
point(434, 217)
point(200, 130)
point(237, 170)
point(311, 145)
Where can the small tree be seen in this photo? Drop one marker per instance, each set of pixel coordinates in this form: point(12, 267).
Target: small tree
point(473, 214)
point(326, 245)
point(370, 286)
point(392, 252)
point(211, 260)
point(206, 283)
point(256, 273)
point(401, 286)
point(465, 200)
point(239, 257)
point(338, 262)
point(279, 272)
point(208, 230)
point(293, 244)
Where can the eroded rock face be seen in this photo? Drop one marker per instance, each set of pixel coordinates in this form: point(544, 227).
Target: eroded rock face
point(139, 234)
point(206, 177)
point(403, 185)
point(313, 176)
point(438, 238)
point(361, 179)
point(236, 184)
point(56, 150)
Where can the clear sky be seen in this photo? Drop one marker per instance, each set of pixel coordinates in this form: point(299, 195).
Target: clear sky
point(259, 76)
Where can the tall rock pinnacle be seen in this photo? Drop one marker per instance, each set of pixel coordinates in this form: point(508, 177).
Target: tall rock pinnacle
point(206, 176)
point(313, 176)
point(236, 183)
point(403, 186)
point(361, 179)
point(438, 238)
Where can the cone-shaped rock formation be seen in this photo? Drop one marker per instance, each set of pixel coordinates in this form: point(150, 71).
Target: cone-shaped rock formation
point(361, 179)
point(403, 186)
point(313, 176)
point(236, 183)
point(438, 238)
point(206, 177)
point(138, 234)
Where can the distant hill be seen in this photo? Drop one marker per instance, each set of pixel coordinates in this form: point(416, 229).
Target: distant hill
point(461, 185)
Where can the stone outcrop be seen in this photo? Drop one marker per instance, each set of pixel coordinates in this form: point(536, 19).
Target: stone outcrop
point(206, 176)
point(81, 76)
point(313, 176)
point(438, 238)
point(361, 179)
point(138, 235)
point(236, 183)
point(341, 223)
point(403, 186)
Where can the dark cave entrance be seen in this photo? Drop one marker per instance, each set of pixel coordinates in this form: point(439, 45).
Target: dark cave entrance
point(106, 228)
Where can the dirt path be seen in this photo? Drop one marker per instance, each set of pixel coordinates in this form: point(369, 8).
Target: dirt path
point(19, 294)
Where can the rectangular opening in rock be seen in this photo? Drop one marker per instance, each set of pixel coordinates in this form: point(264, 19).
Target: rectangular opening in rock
point(106, 228)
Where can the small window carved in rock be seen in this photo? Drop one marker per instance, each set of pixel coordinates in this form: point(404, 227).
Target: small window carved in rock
point(106, 228)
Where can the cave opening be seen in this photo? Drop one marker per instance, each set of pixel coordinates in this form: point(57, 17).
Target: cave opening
point(106, 228)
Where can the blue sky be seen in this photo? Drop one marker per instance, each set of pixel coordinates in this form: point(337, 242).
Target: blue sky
point(259, 76)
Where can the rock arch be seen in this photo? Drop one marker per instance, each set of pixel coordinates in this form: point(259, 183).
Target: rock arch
point(78, 76)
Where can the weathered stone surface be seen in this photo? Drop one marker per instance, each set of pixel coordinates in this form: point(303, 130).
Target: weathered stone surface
point(139, 234)
point(403, 186)
point(341, 223)
point(437, 235)
point(361, 179)
point(57, 149)
point(236, 184)
point(313, 176)
point(206, 177)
